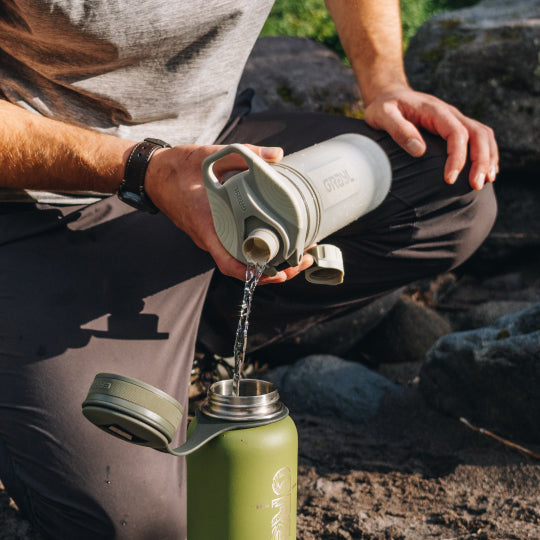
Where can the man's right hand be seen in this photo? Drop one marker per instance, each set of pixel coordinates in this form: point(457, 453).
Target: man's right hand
point(175, 184)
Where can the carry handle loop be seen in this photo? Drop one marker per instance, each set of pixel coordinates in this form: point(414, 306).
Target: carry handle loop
point(253, 161)
point(209, 428)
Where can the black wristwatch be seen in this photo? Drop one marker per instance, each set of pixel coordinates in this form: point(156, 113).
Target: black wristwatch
point(131, 190)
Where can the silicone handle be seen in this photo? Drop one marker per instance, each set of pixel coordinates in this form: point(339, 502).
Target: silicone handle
point(251, 158)
point(208, 428)
point(253, 200)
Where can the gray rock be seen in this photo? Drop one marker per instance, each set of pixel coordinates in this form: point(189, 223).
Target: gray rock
point(487, 313)
point(331, 387)
point(516, 233)
point(485, 60)
point(491, 376)
point(289, 73)
point(406, 333)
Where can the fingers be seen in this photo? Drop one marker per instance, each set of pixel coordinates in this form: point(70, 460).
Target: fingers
point(288, 273)
point(400, 111)
point(483, 152)
point(390, 118)
point(175, 183)
point(463, 136)
point(272, 154)
point(457, 140)
point(229, 266)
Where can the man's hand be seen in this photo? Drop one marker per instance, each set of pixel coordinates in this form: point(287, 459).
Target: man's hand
point(371, 35)
point(399, 110)
point(175, 184)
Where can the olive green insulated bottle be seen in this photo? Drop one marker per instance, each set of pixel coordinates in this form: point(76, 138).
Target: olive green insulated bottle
point(242, 452)
point(242, 484)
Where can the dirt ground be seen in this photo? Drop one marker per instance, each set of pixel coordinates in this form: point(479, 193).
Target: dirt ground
point(410, 473)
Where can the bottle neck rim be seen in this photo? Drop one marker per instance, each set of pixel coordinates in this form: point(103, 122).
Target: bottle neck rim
point(257, 400)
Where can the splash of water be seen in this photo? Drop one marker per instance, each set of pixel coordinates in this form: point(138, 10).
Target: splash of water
point(253, 274)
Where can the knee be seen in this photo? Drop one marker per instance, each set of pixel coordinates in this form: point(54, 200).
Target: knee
point(479, 219)
point(448, 223)
point(461, 227)
point(452, 219)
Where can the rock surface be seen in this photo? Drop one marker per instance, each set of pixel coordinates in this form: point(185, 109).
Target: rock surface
point(486, 61)
point(490, 375)
point(486, 314)
point(327, 386)
point(406, 333)
point(289, 73)
point(516, 232)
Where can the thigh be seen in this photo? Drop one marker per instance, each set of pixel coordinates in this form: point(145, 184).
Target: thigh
point(422, 228)
point(106, 290)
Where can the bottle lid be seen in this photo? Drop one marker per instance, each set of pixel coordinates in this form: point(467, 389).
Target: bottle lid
point(132, 410)
point(327, 268)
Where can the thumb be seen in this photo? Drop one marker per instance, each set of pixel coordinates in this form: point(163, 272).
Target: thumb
point(272, 154)
point(404, 132)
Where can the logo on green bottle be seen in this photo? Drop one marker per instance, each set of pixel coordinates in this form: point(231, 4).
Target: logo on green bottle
point(281, 522)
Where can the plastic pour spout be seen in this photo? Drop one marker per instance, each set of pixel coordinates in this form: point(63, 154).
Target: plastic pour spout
point(261, 246)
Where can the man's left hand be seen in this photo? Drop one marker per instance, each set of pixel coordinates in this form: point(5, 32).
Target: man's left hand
point(399, 110)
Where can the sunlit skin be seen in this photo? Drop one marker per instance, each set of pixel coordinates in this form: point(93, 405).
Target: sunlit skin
point(43, 154)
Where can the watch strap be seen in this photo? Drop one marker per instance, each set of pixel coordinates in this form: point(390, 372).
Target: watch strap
point(131, 190)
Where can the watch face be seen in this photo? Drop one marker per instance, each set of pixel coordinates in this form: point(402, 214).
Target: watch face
point(133, 199)
point(137, 200)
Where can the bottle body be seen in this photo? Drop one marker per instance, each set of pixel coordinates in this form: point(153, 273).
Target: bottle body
point(242, 485)
point(347, 176)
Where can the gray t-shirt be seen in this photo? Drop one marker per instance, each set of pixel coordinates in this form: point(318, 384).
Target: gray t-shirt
point(131, 68)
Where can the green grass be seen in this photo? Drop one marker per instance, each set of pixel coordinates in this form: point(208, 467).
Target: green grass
point(310, 19)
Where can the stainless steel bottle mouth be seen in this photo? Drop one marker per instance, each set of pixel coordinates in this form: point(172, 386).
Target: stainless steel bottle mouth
point(257, 400)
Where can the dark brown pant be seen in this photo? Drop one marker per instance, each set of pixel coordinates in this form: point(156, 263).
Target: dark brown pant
point(104, 288)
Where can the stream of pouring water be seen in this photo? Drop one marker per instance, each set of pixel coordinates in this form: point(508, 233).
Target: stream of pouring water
point(253, 274)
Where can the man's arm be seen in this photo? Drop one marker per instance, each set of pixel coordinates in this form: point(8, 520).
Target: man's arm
point(43, 154)
point(371, 36)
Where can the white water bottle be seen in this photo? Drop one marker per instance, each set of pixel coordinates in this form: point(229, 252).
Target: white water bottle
point(271, 213)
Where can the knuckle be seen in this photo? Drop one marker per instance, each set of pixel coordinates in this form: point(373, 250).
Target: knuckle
point(462, 134)
point(489, 131)
point(387, 107)
point(482, 130)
